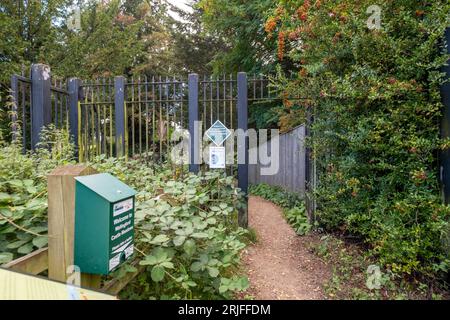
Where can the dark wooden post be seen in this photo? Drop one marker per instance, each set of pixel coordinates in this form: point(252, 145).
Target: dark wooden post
point(15, 97)
point(74, 94)
point(119, 110)
point(41, 100)
point(194, 134)
point(445, 125)
point(242, 148)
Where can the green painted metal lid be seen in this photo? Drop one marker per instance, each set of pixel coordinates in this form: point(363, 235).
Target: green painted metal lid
point(107, 186)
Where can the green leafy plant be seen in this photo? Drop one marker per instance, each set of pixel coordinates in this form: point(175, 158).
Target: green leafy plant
point(297, 219)
point(186, 232)
point(187, 236)
point(277, 195)
point(23, 192)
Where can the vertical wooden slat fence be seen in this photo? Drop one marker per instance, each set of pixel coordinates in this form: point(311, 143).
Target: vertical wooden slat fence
point(292, 164)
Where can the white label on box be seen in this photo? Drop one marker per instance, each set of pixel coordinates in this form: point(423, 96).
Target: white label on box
point(217, 157)
point(129, 251)
point(122, 206)
point(114, 261)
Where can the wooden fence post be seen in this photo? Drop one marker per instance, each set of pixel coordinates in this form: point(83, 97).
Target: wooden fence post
point(242, 148)
point(119, 113)
point(74, 85)
point(61, 223)
point(40, 100)
point(194, 134)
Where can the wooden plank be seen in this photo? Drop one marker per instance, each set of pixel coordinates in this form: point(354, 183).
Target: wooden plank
point(114, 286)
point(90, 280)
point(19, 286)
point(61, 218)
point(33, 263)
point(292, 163)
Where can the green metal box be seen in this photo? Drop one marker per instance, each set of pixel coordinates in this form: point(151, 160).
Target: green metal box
point(104, 223)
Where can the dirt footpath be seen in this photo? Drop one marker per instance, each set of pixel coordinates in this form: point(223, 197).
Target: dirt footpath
point(279, 265)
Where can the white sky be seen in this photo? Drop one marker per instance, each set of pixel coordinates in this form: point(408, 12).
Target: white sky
point(182, 4)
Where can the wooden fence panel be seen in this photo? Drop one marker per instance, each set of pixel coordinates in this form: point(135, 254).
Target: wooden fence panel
point(291, 171)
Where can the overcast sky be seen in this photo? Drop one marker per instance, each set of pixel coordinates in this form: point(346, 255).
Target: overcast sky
point(182, 4)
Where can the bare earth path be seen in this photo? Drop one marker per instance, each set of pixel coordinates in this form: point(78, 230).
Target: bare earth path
point(279, 265)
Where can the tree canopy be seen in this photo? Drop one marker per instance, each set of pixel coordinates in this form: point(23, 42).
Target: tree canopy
point(114, 37)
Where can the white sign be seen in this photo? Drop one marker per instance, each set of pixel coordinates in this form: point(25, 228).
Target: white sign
point(123, 206)
point(218, 133)
point(217, 157)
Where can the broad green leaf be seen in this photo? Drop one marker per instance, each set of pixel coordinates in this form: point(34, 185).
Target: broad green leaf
point(242, 283)
point(28, 183)
point(5, 197)
point(179, 240)
point(25, 249)
point(160, 254)
point(200, 235)
point(227, 258)
point(16, 244)
point(157, 273)
point(31, 189)
point(149, 260)
point(39, 230)
point(5, 257)
point(24, 236)
point(223, 289)
point(213, 262)
point(204, 258)
point(16, 183)
point(189, 247)
point(167, 264)
point(196, 266)
point(159, 239)
point(213, 272)
point(40, 241)
point(6, 212)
